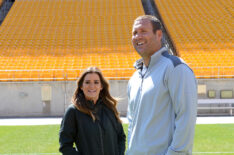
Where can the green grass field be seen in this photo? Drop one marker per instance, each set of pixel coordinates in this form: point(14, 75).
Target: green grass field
point(44, 139)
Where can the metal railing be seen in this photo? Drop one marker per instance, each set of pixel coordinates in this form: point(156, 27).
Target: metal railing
point(109, 73)
point(216, 104)
point(216, 72)
point(64, 74)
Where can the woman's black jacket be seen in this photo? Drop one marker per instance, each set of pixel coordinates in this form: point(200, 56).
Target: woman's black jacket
point(104, 136)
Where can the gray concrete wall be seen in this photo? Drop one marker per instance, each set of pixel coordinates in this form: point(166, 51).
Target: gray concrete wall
point(217, 85)
point(24, 99)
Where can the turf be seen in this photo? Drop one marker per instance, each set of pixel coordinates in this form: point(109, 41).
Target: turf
point(29, 139)
point(44, 139)
point(214, 138)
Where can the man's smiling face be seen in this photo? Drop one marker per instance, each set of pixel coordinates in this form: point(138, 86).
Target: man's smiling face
point(145, 41)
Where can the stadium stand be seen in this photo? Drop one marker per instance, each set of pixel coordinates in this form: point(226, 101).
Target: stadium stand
point(202, 34)
point(1, 2)
point(55, 40)
point(49, 42)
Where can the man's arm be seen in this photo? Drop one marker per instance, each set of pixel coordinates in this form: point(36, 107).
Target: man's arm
point(129, 114)
point(183, 91)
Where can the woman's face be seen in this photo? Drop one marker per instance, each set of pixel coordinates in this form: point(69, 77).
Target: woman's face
point(91, 86)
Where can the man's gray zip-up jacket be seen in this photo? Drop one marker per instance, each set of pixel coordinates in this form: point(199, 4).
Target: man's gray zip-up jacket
point(162, 107)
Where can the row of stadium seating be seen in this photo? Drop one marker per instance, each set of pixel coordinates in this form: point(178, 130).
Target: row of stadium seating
point(209, 58)
point(68, 62)
point(202, 34)
point(55, 40)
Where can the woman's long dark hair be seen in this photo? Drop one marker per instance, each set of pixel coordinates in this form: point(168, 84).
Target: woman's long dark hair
point(81, 103)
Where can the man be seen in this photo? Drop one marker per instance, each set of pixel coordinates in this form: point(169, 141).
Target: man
point(162, 96)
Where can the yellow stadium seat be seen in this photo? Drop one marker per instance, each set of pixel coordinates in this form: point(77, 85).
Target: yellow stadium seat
point(202, 26)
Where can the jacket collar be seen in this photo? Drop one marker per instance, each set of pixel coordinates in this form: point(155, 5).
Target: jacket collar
point(154, 59)
point(92, 106)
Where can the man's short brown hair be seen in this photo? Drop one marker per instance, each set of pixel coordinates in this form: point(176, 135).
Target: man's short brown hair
point(154, 21)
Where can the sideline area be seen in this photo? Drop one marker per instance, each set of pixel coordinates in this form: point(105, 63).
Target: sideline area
point(56, 121)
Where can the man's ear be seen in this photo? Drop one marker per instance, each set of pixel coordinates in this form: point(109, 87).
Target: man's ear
point(159, 34)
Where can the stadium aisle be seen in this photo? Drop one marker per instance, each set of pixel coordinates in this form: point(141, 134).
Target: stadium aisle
point(55, 121)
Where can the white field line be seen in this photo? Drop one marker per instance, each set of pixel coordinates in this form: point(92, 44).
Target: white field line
point(56, 121)
point(60, 153)
point(30, 154)
point(213, 152)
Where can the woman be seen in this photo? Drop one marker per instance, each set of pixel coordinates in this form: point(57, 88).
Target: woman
point(92, 121)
